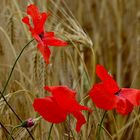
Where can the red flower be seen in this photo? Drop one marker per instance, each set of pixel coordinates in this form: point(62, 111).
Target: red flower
point(43, 38)
point(107, 95)
point(55, 108)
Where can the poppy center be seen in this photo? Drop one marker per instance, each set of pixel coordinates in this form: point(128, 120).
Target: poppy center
point(41, 35)
point(118, 92)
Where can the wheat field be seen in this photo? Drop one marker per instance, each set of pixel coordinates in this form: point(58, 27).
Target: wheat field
point(103, 32)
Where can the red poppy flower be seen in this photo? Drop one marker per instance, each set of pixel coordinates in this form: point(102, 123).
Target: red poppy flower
point(43, 38)
point(55, 108)
point(107, 95)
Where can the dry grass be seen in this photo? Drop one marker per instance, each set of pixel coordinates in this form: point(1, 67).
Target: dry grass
point(114, 29)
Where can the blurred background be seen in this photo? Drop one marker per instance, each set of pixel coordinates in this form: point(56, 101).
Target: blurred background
point(103, 32)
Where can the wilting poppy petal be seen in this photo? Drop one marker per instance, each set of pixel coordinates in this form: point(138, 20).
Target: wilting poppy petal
point(64, 97)
point(80, 120)
point(49, 110)
point(101, 97)
point(123, 106)
point(45, 51)
point(132, 95)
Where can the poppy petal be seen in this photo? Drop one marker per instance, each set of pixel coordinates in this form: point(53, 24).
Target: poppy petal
point(80, 120)
point(132, 95)
point(49, 110)
point(102, 72)
point(26, 21)
point(101, 97)
point(48, 34)
point(36, 36)
point(39, 28)
point(45, 51)
point(52, 41)
point(33, 11)
point(123, 106)
point(65, 98)
point(37, 17)
point(111, 84)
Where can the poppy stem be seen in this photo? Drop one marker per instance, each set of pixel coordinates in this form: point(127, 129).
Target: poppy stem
point(69, 128)
point(9, 77)
point(13, 131)
point(50, 132)
point(6, 130)
point(6, 84)
point(15, 114)
point(100, 125)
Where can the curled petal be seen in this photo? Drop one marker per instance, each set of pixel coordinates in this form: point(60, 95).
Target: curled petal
point(123, 106)
point(80, 120)
point(132, 95)
point(101, 97)
point(49, 110)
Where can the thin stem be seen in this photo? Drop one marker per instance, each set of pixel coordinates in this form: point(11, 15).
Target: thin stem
point(13, 131)
point(16, 114)
point(50, 132)
point(10, 107)
point(6, 84)
point(9, 77)
point(100, 125)
point(69, 127)
point(6, 129)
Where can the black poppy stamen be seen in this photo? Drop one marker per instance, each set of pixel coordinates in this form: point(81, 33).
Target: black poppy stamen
point(41, 35)
point(118, 92)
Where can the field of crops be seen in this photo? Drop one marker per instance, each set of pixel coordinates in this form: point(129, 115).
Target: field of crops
point(89, 32)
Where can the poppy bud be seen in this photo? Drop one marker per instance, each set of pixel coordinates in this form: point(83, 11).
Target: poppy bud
point(28, 123)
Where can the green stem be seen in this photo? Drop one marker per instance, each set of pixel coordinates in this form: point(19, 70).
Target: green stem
point(100, 125)
point(16, 114)
point(6, 84)
point(50, 132)
point(13, 131)
point(69, 127)
point(9, 77)
point(10, 107)
point(5, 129)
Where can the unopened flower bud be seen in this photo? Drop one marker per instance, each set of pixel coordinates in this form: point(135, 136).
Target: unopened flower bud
point(28, 123)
